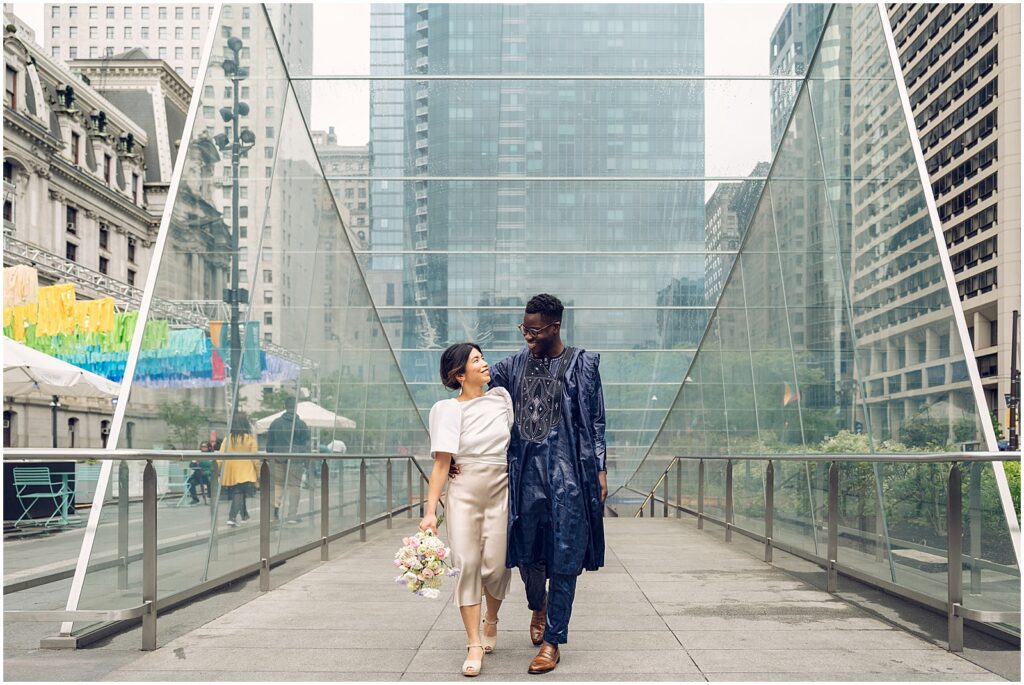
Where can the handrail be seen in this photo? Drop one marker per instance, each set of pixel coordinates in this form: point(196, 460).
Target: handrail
point(75, 454)
point(877, 457)
point(147, 610)
point(953, 606)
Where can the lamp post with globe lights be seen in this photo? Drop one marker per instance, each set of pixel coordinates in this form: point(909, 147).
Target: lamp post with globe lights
point(239, 144)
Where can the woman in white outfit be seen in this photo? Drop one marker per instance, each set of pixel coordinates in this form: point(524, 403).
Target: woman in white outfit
point(473, 429)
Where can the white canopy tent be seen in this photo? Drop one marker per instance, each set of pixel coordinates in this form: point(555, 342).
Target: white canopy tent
point(31, 373)
point(313, 415)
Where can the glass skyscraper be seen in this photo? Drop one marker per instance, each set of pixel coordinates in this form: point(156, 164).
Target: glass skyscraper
point(590, 188)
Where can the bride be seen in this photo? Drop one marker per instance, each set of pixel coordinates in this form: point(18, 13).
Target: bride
point(474, 429)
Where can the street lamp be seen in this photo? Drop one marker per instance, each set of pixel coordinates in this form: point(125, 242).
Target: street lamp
point(239, 144)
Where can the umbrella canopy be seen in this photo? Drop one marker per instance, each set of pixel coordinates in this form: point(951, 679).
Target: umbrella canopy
point(312, 414)
point(30, 372)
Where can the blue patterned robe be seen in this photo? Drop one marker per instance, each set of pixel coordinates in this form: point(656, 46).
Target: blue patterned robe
point(555, 510)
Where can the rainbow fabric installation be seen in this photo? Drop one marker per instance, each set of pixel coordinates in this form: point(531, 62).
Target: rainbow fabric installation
point(93, 335)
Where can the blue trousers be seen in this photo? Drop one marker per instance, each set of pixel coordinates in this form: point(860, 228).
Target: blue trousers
point(559, 590)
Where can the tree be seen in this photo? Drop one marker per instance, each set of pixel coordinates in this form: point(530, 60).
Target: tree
point(184, 421)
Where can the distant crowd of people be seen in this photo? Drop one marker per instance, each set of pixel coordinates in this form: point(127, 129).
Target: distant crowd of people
point(239, 477)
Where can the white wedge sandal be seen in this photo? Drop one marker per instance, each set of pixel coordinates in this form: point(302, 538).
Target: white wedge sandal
point(490, 641)
point(471, 667)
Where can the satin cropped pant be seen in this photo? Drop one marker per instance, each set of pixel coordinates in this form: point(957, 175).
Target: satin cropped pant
point(476, 515)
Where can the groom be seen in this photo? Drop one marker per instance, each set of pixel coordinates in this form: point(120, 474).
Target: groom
point(556, 469)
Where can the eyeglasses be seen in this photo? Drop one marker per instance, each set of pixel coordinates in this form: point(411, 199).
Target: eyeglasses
point(534, 331)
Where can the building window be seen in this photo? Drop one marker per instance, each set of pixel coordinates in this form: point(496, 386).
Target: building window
point(268, 152)
point(11, 88)
point(162, 12)
point(144, 32)
point(76, 142)
point(161, 32)
point(131, 250)
point(268, 276)
point(104, 236)
point(267, 254)
point(268, 318)
point(72, 430)
point(144, 12)
point(71, 252)
point(179, 34)
point(128, 32)
point(195, 13)
point(243, 231)
point(131, 277)
point(94, 12)
point(55, 52)
point(55, 12)
point(93, 52)
point(104, 432)
point(94, 33)
point(9, 417)
point(195, 53)
point(179, 53)
point(72, 220)
point(128, 12)
point(245, 13)
point(110, 12)
point(110, 33)
point(179, 13)
point(72, 12)
point(108, 165)
point(268, 336)
point(104, 265)
point(161, 52)
point(135, 188)
point(109, 51)
point(195, 73)
point(195, 33)
point(268, 297)
point(72, 32)
point(270, 132)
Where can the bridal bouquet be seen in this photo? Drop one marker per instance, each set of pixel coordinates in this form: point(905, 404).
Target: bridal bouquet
point(423, 560)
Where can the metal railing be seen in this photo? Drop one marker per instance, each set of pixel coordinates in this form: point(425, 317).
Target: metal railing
point(953, 607)
point(118, 619)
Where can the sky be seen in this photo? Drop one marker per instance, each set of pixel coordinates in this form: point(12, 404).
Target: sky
point(736, 42)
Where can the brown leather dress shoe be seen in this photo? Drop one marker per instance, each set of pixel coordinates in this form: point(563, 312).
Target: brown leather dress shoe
point(537, 626)
point(546, 660)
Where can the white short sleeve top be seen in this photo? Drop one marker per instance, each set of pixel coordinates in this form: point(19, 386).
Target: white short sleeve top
point(474, 430)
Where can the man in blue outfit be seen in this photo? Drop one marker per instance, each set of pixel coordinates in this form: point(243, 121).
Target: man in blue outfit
point(556, 468)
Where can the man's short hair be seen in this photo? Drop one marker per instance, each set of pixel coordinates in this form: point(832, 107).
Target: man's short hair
point(548, 306)
point(289, 403)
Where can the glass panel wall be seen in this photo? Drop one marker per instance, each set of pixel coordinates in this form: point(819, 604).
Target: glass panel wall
point(847, 338)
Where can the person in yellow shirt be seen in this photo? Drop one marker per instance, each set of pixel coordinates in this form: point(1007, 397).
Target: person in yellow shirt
point(239, 476)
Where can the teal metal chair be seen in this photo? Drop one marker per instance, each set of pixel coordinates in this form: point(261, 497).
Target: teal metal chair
point(176, 476)
point(87, 473)
point(58, 491)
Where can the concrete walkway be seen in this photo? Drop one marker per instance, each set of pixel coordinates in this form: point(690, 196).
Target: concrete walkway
point(672, 603)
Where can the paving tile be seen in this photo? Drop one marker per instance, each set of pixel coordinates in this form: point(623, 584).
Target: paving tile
point(579, 640)
point(269, 658)
point(742, 623)
point(248, 676)
point(829, 676)
point(868, 661)
point(594, 663)
point(767, 637)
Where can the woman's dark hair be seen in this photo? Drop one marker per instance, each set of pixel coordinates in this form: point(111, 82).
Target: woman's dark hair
point(240, 425)
point(453, 362)
point(548, 306)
